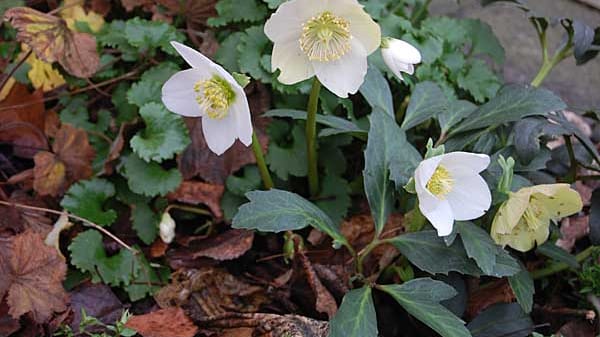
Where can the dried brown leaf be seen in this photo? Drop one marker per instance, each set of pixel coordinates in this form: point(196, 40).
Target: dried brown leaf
point(325, 303)
point(196, 192)
point(572, 229)
point(33, 275)
point(225, 246)
point(98, 301)
point(169, 322)
point(51, 40)
point(497, 292)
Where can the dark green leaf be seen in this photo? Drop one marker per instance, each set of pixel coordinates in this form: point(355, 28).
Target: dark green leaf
point(376, 90)
point(478, 245)
point(86, 199)
point(457, 111)
point(276, 211)
point(165, 134)
point(428, 252)
point(427, 101)
point(282, 159)
point(512, 103)
point(334, 197)
point(557, 254)
point(356, 316)
point(339, 125)
point(228, 55)
point(421, 297)
point(144, 222)
point(595, 217)
point(502, 319)
point(523, 287)
point(149, 179)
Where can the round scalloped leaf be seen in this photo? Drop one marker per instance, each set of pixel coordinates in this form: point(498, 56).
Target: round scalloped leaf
point(86, 199)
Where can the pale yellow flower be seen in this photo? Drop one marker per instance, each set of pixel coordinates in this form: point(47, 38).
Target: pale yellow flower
point(524, 219)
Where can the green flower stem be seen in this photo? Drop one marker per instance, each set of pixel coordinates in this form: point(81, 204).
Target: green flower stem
point(558, 267)
point(549, 63)
point(260, 161)
point(311, 138)
point(189, 209)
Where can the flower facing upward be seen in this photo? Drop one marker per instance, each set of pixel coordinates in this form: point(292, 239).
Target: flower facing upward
point(399, 56)
point(207, 90)
point(524, 218)
point(327, 38)
point(450, 188)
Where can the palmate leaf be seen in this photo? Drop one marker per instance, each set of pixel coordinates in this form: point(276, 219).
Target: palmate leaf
point(164, 136)
point(148, 35)
point(388, 156)
point(86, 199)
point(479, 81)
point(277, 211)
point(421, 297)
point(356, 316)
point(231, 11)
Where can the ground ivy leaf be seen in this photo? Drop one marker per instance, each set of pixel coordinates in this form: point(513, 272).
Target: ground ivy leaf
point(228, 55)
point(149, 179)
point(376, 90)
point(523, 287)
point(356, 316)
point(251, 48)
point(427, 101)
point(483, 39)
point(146, 280)
point(149, 35)
point(421, 297)
point(479, 81)
point(282, 160)
point(144, 222)
point(164, 136)
point(428, 252)
point(276, 211)
point(86, 199)
point(144, 92)
point(231, 11)
point(334, 198)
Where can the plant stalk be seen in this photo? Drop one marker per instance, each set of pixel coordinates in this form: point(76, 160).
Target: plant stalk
point(260, 162)
point(558, 267)
point(311, 138)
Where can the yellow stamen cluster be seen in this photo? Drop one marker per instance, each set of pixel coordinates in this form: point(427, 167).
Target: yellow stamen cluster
point(215, 96)
point(441, 182)
point(325, 37)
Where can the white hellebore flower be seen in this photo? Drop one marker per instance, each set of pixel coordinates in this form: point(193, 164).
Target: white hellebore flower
point(209, 91)
point(400, 56)
point(327, 38)
point(166, 228)
point(450, 188)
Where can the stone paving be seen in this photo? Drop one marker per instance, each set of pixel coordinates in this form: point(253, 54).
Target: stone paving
point(579, 86)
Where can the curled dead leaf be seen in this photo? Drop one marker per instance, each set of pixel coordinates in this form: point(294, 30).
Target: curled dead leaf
point(51, 40)
point(325, 303)
point(196, 192)
point(169, 322)
point(225, 246)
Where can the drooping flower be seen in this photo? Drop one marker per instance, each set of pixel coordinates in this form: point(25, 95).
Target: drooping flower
point(450, 188)
point(524, 219)
point(400, 56)
point(209, 91)
point(327, 38)
point(166, 228)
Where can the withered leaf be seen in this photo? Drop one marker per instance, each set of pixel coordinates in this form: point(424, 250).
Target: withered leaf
point(196, 192)
point(22, 121)
point(496, 292)
point(70, 162)
point(98, 301)
point(169, 322)
point(225, 246)
point(33, 275)
point(51, 40)
point(325, 302)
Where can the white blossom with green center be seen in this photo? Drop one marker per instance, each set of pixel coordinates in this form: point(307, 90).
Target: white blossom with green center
point(207, 90)
point(450, 188)
point(330, 39)
point(524, 219)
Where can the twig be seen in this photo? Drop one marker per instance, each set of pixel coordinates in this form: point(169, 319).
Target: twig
point(587, 314)
point(14, 69)
point(85, 221)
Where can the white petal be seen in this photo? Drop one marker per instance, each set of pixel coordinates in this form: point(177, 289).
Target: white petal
point(395, 65)
point(241, 111)
point(362, 26)
point(286, 23)
point(404, 51)
point(178, 93)
point(346, 75)
point(465, 163)
point(193, 57)
point(219, 134)
point(425, 170)
point(293, 63)
point(439, 213)
point(470, 197)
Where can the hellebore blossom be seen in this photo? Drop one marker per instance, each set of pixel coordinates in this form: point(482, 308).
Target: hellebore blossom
point(327, 38)
point(209, 91)
point(400, 56)
point(524, 219)
point(166, 228)
point(450, 188)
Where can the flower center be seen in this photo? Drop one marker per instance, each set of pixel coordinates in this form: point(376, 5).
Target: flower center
point(215, 96)
point(325, 37)
point(441, 182)
point(534, 214)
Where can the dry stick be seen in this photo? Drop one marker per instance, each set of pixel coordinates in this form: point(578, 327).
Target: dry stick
point(85, 221)
point(14, 69)
point(74, 92)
